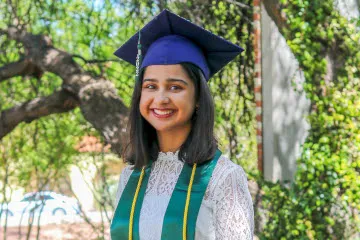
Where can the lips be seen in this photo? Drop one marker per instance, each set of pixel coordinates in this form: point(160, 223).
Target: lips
point(162, 113)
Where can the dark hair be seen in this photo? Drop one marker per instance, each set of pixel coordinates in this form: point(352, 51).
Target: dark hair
point(200, 144)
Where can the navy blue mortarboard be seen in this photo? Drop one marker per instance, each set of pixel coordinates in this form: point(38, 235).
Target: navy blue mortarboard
point(170, 39)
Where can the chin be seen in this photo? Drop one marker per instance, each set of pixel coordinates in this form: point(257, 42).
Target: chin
point(161, 127)
point(167, 125)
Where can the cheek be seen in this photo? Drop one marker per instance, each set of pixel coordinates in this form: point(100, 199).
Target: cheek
point(144, 104)
point(187, 106)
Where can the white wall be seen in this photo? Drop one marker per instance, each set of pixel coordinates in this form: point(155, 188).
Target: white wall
point(348, 8)
point(284, 109)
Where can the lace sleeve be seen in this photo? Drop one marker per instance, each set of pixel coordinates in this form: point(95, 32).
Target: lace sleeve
point(233, 211)
point(124, 178)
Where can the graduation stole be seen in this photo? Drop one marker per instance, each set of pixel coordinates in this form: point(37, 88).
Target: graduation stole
point(186, 197)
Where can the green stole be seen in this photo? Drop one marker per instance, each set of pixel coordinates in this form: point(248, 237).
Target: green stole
point(173, 220)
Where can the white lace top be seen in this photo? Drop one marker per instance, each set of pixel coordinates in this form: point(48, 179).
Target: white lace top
point(226, 211)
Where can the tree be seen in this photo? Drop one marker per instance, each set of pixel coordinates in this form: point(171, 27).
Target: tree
point(32, 55)
point(49, 91)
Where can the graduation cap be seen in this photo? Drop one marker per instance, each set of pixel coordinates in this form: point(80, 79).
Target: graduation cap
point(170, 39)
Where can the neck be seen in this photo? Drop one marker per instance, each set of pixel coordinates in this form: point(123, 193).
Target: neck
point(171, 141)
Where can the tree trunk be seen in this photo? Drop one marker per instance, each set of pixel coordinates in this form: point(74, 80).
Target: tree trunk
point(96, 97)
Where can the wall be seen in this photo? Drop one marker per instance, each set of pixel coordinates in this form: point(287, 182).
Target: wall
point(284, 109)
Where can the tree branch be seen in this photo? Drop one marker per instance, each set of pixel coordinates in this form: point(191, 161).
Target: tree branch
point(91, 61)
point(97, 97)
point(20, 68)
point(16, 34)
point(58, 102)
point(103, 108)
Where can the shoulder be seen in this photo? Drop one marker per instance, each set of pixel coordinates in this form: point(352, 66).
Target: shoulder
point(125, 175)
point(127, 170)
point(226, 174)
point(123, 179)
point(227, 170)
point(225, 162)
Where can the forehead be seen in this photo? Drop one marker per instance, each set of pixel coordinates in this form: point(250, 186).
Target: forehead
point(165, 71)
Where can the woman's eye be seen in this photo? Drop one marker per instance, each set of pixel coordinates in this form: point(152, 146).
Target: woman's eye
point(175, 87)
point(149, 86)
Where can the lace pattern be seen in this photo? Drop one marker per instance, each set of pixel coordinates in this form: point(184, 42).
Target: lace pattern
point(226, 211)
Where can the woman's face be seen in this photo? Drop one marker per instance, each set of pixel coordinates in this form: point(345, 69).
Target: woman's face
point(167, 97)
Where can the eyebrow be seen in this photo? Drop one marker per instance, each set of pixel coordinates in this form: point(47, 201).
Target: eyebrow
point(168, 80)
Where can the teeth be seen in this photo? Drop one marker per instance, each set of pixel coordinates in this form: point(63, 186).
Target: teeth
point(163, 112)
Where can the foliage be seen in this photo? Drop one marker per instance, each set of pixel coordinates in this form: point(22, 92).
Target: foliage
point(35, 155)
point(47, 144)
point(324, 199)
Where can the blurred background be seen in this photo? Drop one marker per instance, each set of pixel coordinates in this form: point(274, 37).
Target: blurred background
point(287, 111)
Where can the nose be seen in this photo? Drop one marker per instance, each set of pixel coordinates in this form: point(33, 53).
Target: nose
point(162, 98)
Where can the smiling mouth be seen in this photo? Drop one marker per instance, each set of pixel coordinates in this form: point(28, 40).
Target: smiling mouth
point(162, 113)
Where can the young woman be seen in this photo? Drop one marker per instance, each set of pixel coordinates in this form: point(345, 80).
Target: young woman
point(178, 185)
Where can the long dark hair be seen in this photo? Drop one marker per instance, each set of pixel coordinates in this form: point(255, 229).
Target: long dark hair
point(200, 144)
